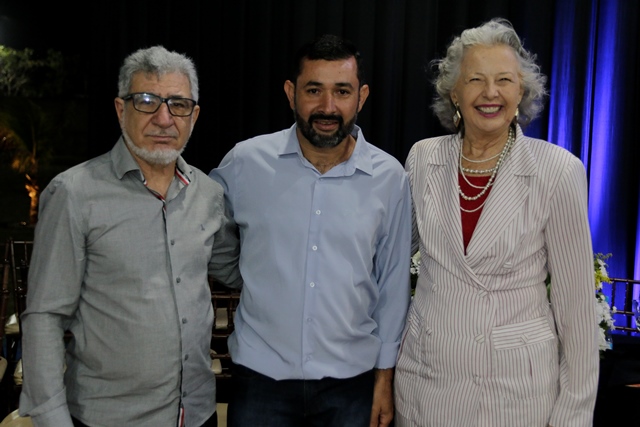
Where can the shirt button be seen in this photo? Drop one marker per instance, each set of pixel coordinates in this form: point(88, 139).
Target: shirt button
point(178, 280)
point(318, 212)
point(184, 394)
point(173, 242)
point(312, 284)
point(314, 247)
point(184, 320)
point(186, 357)
point(308, 319)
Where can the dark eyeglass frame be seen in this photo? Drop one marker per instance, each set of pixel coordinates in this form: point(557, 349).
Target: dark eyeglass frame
point(168, 101)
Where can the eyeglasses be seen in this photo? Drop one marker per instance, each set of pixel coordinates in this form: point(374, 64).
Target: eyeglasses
point(150, 103)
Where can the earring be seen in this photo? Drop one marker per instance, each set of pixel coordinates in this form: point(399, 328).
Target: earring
point(457, 118)
point(517, 112)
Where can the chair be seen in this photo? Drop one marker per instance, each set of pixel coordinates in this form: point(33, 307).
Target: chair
point(15, 420)
point(15, 269)
point(4, 296)
point(20, 256)
point(629, 310)
point(224, 301)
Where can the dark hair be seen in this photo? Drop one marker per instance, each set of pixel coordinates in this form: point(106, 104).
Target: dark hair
point(329, 48)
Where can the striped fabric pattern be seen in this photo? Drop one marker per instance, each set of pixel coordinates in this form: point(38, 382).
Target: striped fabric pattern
point(482, 345)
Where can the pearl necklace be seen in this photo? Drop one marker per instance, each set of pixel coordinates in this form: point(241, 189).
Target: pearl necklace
point(479, 160)
point(485, 188)
point(477, 171)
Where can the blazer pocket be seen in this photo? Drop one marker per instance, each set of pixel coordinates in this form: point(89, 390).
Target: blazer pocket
point(525, 360)
point(521, 334)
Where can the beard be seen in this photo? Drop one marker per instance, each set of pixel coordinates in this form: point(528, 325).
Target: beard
point(159, 157)
point(324, 141)
point(156, 157)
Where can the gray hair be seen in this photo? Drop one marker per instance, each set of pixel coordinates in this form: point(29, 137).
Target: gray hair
point(497, 31)
point(158, 61)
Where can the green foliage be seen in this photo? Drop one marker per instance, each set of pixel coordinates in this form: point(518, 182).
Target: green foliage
point(37, 117)
point(23, 74)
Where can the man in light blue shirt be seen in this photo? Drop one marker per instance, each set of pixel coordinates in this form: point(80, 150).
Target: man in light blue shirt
point(325, 228)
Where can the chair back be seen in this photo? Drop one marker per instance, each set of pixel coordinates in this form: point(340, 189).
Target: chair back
point(629, 313)
point(224, 301)
point(4, 293)
point(20, 256)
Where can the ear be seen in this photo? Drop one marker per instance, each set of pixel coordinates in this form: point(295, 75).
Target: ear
point(364, 94)
point(290, 90)
point(195, 114)
point(119, 104)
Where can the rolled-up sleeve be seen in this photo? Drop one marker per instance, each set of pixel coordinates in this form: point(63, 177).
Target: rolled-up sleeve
point(392, 271)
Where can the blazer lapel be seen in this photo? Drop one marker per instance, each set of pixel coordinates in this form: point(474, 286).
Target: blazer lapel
point(505, 200)
point(441, 192)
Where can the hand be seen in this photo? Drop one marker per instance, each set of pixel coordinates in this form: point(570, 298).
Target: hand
point(382, 409)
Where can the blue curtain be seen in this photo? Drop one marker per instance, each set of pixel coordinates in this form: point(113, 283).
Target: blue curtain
point(593, 88)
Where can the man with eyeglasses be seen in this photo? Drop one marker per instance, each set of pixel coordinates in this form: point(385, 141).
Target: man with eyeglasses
point(122, 251)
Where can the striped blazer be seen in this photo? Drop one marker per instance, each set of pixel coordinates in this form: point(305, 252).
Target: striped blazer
point(482, 345)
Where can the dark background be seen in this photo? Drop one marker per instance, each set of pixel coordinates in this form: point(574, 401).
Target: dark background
point(242, 49)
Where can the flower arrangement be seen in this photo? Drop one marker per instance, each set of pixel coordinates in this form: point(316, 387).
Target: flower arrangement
point(605, 320)
point(604, 310)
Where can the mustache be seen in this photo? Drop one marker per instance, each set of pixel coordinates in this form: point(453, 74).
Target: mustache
point(317, 116)
point(169, 134)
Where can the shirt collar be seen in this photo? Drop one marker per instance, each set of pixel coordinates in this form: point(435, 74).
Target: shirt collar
point(360, 158)
point(124, 162)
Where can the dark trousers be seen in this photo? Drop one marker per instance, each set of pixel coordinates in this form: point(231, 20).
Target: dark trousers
point(259, 401)
point(211, 422)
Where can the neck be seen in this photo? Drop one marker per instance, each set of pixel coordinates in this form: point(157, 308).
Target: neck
point(158, 177)
point(324, 159)
point(482, 158)
point(475, 147)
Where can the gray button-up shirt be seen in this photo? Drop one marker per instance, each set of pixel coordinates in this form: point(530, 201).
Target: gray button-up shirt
point(126, 273)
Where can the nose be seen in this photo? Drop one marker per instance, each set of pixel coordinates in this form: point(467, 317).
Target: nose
point(490, 89)
point(163, 117)
point(327, 103)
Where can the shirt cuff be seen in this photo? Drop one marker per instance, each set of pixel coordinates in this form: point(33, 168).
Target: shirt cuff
point(52, 413)
point(388, 355)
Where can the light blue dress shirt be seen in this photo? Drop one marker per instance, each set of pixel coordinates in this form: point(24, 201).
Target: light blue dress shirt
point(325, 258)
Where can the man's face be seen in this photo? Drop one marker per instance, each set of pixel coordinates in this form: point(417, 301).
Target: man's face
point(157, 138)
point(326, 99)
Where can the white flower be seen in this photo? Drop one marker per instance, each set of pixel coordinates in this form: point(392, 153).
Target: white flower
point(603, 344)
point(603, 311)
point(603, 268)
point(415, 264)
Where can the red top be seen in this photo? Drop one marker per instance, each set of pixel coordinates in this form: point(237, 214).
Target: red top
point(470, 219)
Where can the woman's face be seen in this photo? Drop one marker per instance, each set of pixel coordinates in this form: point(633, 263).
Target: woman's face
point(488, 90)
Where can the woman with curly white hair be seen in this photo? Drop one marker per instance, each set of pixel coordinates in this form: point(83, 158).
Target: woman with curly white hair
point(496, 212)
